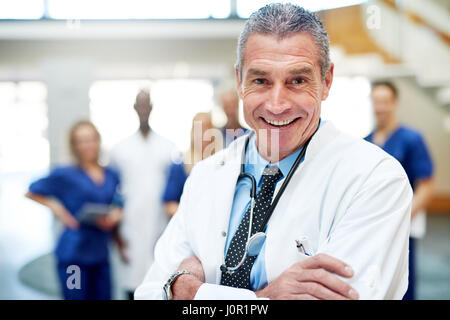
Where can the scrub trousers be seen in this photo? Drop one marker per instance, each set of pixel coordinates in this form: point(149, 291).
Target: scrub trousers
point(93, 282)
point(410, 293)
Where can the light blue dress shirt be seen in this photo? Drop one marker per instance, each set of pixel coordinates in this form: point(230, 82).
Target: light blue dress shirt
point(254, 165)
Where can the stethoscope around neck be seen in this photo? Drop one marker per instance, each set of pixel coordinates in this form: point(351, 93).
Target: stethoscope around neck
point(255, 242)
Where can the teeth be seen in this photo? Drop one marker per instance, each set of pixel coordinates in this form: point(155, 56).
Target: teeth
point(279, 123)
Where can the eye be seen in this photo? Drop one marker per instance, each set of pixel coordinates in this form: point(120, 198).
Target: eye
point(259, 81)
point(298, 81)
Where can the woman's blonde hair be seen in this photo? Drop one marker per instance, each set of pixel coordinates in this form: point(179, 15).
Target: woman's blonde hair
point(72, 138)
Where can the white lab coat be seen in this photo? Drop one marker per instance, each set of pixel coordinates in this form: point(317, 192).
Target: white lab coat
point(143, 165)
point(348, 197)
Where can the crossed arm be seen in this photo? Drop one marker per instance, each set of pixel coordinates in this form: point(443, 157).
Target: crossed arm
point(311, 279)
point(372, 237)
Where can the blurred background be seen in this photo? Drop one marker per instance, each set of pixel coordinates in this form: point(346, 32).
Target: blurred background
point(65, 60)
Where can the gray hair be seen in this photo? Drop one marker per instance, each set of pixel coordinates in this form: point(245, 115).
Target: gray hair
point(282, 20)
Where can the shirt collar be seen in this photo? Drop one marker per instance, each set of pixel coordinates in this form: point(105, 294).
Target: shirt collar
point(255, 164)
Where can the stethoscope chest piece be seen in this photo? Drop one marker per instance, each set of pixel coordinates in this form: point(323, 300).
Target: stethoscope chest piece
point(255, 243)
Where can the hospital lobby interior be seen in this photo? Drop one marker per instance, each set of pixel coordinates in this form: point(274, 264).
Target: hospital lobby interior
point(66, 60)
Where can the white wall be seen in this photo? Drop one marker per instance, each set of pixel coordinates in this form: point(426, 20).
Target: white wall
point(421, 111)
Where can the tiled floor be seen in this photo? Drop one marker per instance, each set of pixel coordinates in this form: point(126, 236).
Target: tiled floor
point(433, 260)
point(25, 233)
point(27, 229)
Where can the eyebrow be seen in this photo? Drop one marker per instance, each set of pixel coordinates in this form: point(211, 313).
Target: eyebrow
point(257, 72)
point(294, 72)
point(302, 71)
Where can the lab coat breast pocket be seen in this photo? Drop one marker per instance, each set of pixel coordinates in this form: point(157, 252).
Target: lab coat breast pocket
point(292, 254)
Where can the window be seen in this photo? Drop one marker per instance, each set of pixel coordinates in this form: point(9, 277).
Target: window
point(138, 9)
point(348, 106)
point(246, 7)
point(23, 122)
point(146, 9)
point(21, 9)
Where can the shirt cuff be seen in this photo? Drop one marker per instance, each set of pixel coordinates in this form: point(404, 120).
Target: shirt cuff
point(209, 291)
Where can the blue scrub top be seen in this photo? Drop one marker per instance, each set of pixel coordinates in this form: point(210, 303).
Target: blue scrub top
point(408, 147)
point(74, 188)
point(175, 183)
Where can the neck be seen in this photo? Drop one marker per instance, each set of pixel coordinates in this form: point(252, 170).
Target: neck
point(232, 124)
point(89, 165)
point(144, 128)
point(274, 156)
point(388, 127)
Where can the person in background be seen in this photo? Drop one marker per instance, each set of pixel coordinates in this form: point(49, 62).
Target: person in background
point(408, 147)
point(143, 161)
point(232, 129)
point(67, 190)
point(179, 172)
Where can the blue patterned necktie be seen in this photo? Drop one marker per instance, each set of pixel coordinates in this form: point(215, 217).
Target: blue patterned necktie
point(241, 277)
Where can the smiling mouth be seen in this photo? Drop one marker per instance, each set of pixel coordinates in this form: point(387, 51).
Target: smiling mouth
point(277, 123)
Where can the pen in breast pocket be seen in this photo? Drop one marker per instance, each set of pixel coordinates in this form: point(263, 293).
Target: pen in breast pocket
point(303, 246)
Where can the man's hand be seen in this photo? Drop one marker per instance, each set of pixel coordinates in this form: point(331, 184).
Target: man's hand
point(312, 279)
point(185, 286)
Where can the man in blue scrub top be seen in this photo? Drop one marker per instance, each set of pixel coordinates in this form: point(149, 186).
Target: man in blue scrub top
point(408, 147)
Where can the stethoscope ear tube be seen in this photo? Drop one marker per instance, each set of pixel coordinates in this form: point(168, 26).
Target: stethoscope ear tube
point(253, 180)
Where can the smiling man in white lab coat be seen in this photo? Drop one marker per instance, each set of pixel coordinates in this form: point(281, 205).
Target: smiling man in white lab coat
point(340, 228)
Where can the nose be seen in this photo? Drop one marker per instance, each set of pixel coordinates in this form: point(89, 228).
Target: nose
point(278, 99)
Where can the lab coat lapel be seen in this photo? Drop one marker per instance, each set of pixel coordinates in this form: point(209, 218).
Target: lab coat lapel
point(223, 194)
point(274, 242)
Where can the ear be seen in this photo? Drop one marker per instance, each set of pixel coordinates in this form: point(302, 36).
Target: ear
point(328, 81)
point(238, 81)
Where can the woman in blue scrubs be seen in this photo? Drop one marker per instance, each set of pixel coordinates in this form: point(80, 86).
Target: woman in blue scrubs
point(408, 147)
point(82, 250)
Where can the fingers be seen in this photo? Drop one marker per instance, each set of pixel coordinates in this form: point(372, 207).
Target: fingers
point(124, 257)
point(71, 222)
point(327, 286)
point(318, 269)
point(303, 297)
point(73, 226)
point(327, 262)
point(320, 292)
point(104, 223)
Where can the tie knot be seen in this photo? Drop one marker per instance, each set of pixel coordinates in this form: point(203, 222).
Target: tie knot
point(272, 173)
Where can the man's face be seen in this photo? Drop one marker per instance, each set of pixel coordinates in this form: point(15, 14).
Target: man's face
point(282, 89)
point(143, 106)
point(384, 104)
